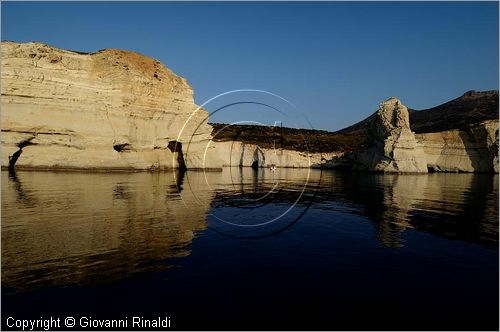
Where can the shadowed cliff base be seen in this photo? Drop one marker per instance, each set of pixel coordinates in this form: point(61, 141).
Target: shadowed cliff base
point(176, 147)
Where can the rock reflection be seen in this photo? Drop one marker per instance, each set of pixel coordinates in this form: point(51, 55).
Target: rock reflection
point(451, 205)
point(72, 228)
point(236, 186)
point(24, 198)
point(457, 206)
point(257, 203)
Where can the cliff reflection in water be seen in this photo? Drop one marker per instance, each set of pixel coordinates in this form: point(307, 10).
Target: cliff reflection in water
point(78, 228)
point(450, 205)
point(69, 228)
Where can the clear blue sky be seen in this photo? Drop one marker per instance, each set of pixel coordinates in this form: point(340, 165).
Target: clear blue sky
point(334, 60)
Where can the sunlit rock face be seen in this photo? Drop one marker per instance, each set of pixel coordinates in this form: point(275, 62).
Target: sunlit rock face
point(108, 109)
point(393, 147)
point(472, 149)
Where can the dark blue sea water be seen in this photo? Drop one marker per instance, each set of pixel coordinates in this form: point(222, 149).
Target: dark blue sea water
point(244, 249)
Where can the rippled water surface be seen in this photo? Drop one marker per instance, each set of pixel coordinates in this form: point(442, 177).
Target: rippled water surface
point(244, 249)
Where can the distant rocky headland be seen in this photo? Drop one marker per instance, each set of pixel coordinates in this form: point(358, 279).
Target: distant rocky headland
point(120, 110)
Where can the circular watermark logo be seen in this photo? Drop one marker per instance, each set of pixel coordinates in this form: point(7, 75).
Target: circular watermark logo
point(265, 184)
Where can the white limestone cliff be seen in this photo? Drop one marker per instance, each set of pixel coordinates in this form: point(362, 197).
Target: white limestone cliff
point(472, 149)
point(111, 109)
